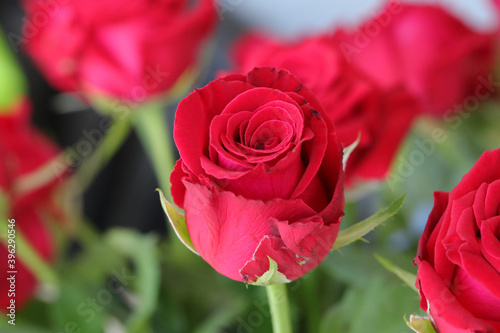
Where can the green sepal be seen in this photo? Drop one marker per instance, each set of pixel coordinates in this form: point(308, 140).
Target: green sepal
point(272, 276)
point(178, 222)
point(360, 229)
point(407, 277)
point(420, 324)
point(349, 149)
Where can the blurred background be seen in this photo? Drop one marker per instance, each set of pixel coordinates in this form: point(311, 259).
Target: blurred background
point(119, 195)
point(350, 292)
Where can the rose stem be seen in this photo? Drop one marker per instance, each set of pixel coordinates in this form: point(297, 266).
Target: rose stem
point(279, 307)
point(110, 144)
point(153, 131)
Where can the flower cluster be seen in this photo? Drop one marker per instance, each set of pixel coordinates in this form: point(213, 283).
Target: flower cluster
point(267, 149)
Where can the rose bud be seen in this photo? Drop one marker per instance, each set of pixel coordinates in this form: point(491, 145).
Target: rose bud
point(260, 175)
point(129, 50)
point(355, 103)
point(24, 151)
point(440, 59)
point(459, 253)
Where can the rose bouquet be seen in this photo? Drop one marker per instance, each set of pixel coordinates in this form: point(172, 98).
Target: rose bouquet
point(297, 173)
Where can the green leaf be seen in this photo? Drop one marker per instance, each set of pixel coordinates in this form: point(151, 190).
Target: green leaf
point(360, 229)
point(272, 276)
point(349, 149)
point(405, 276)
point(220, 317)
point(420, 324)
point(80, 308)
point(142, 249)
point(178, 222)
point(12, 83)
point(94, 264)
point(374, 307)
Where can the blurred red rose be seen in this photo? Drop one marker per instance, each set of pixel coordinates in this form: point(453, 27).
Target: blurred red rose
point(354, 102)
point(436, 55)
point(459, 253)
point(130, 50)
point(24, 150)
point(497, 4)
point(260, 174)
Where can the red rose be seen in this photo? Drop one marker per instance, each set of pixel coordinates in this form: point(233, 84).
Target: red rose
point(437, 56)
point(496, 4)
point(459, 253)
point(260, 174)
point(130, 50)
point(23, 151)
point(354, 102)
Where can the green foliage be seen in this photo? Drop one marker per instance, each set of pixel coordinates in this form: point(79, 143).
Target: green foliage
point(12, 83)
point(358, 230)
point(142, 250)
point(371, 307)
point(405, 276)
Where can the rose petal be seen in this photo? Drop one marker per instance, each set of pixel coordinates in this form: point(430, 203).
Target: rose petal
point(278, 181)
point(220, 150)
point(450, 316)
point(492, 200)
point(472, 294)
point(430, 246)
point(490, 241)
point(485, 279)
point(284, 81)
point(178, 189)
point(270, 247)
point(488, 166)
point(308, 239)
point(479, 204)
point(252, 50)
point(398, 110)
point(462, 231)
point(226, 229)
point(194, 116)
point(300, 247)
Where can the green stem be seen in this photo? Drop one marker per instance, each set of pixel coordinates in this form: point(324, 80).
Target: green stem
point(30, 258)
point(110, 144)
point(311, 283)
point(153, 131)
point(280, 309)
